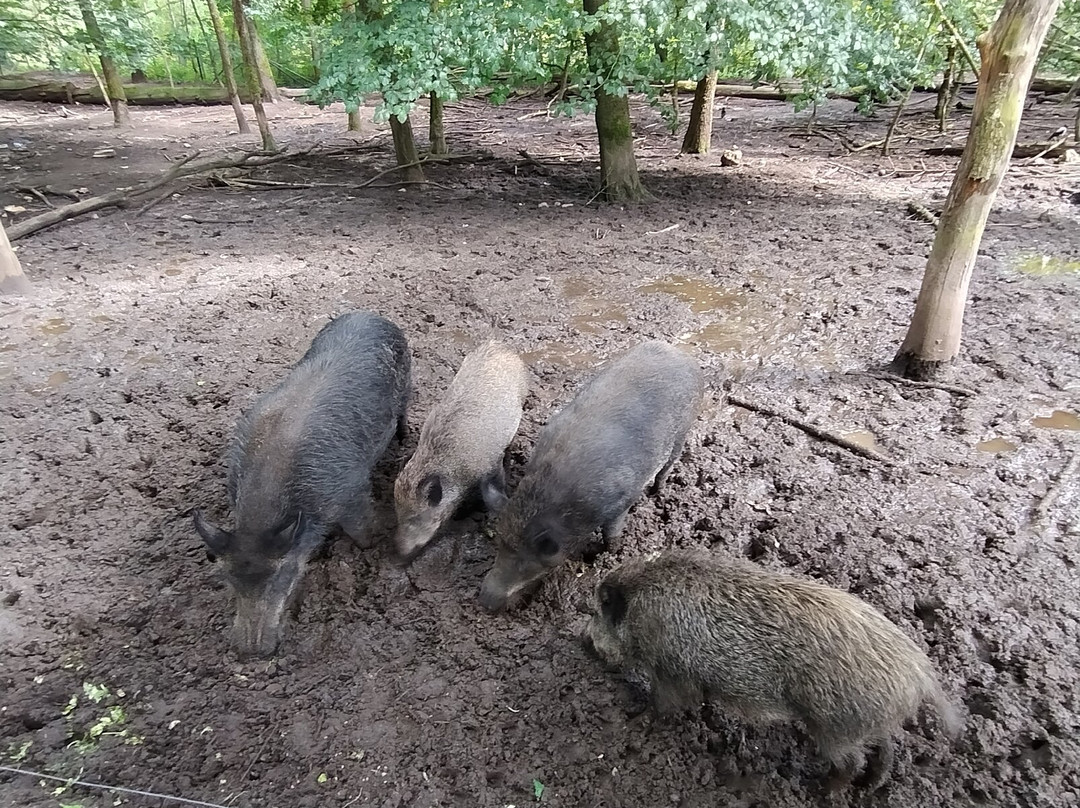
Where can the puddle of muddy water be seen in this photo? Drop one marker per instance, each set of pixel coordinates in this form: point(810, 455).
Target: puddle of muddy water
point(1047, 265)
point(864, 438)
point(560, 353)
point(1058, 419)
point(996, 446)
point(700, 295)
point(56, 325)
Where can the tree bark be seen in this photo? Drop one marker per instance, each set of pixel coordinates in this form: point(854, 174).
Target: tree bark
point(348, 12)
point(698, 136)
point(12, 279)
point(113, 83)
point(945, 92)
point(619, 181)
point(1009, 52)
point(245, 32)
point(405, 150)
point(257, 64)
point(313, 41)
point(227, 67)
point(436, 129)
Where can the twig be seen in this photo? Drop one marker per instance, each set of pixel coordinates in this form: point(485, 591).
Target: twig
point(181, 168)
point(810, 429)
point(1042, 510)
point(922, 213)
point(958, 37)
point(892, 377)
point(121, 789)
point(155, 201)
point(27, 189)
point(667, 229)
point(907, 96)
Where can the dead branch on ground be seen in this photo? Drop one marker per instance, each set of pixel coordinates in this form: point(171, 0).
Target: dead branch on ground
point(185, 167)
point(922, 213)
point(1042, 510)
point(1020, 151)
point(810, 429)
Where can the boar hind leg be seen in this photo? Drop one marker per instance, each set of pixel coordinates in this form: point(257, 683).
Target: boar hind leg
point(665, 470)
point(846, 760)
point(357, 525)
point(613, 530)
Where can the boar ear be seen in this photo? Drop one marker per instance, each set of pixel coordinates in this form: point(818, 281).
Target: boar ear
point(612, 603)
point(217, 540)
point(431, 489)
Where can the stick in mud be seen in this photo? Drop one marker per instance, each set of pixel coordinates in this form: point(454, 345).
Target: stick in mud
point(810, 429)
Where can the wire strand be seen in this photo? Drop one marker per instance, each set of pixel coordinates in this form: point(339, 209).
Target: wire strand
point(151, 794)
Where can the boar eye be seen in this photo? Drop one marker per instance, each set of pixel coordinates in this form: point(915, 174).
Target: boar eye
point(431, 487)
point(546, 545)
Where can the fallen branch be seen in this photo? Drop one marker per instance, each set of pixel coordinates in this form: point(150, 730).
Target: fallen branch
point(922, 213)
point(1021, 150)
point(892, 377)
point(1042, 510)
point(121, 196)
point(810, 429)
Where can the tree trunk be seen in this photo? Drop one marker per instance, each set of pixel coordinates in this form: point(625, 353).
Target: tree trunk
point(436, 130)
point(945, 92)
point(12, 279)
point(227, 67)
point(699, 131)
point(405, 150)
point(619, 181)
point(269, 87)
point(348, 13)
point(113, 83)
point(257, 64)
point(313, 40)
point(245, 31)
point(1009, 52)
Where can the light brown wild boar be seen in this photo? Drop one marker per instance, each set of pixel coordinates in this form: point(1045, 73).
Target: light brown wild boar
point(462, 445)
point(767, 647)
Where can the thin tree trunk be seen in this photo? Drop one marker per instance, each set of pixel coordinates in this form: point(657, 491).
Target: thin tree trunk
point(619, 181)
point(206, 38)
point(227, 67)
point(313, 41)
point(1009, 52)
point(405, 150)
point(12, 279)
point(266, 74)
point(348, 12)
point(244, 31)
point(258, 65)
point(436, 129)
point(944, 92)
point(115, 87)
point(698, 135)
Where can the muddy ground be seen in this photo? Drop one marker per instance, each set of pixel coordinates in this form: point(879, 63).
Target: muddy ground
point(788, 276)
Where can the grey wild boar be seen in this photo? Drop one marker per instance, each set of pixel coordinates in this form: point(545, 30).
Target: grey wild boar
point(301, 464)
point(461, 446)
point(767, 647)
point(592, 461)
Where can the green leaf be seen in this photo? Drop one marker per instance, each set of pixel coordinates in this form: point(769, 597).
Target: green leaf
point(538, 790)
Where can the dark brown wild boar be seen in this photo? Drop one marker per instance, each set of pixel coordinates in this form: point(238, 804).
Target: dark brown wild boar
point(766, 647)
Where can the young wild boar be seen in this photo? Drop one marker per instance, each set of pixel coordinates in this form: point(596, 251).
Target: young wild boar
point(461, 445)
point(301, 463)
point(767, 647)
point(624, 428)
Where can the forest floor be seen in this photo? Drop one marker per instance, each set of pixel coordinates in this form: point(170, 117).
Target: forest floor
point(789, 275)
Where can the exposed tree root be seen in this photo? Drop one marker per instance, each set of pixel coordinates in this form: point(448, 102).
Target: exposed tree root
point(892, 377)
